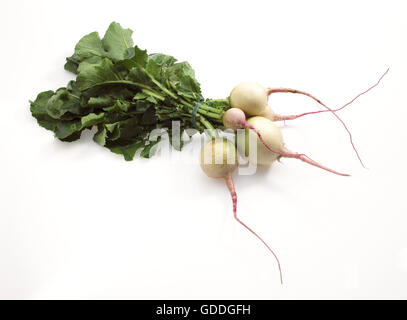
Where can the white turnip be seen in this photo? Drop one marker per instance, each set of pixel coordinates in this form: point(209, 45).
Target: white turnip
point(219, 160)
point(269, 138)
point(252, 98)
point(270, 145)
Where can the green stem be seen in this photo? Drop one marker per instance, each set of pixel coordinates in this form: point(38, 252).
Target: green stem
point(136, 84)
point(74, 96)
point(202, 110)
point(154, 94)
point(145, 88)
point(212, 109)
point(225, 101)
point(203, 106)
point(171, 85)
point(210, 114)
point(186, 103)
point(157, 83)
point(211, 130)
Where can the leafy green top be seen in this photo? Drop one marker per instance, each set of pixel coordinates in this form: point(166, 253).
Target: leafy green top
point(126, 93)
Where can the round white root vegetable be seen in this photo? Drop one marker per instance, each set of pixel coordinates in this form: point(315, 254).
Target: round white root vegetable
point(270, 145)
point(219, 160)
point(271, 139)
point(269, 114)
point(234, 119)
point(250, 97)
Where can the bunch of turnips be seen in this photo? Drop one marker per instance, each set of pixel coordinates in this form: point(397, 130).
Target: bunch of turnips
point(127, 93)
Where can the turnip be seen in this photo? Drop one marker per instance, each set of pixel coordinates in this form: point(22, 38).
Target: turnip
point(252, 98)
point(219, 160)
point(270, 145)
point(128, 94)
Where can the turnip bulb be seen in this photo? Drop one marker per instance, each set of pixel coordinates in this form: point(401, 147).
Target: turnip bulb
point(219, 160)
point(271, 136)
point(270, 145)
point(250, 97)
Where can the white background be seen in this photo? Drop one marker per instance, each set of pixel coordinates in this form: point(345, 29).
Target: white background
point(77, 221)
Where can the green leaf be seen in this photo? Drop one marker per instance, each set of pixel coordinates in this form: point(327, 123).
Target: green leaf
point(142, 105)
point(73, 88)
point(72, 64)
point(91, 119)
point(63, 104)
point(130, 129)
point(128, 151)
point(74, 136)
point(140, 96)
point(96, 74)
point(100, 136)
point(114, 131)
point(154, 69)
point(152, 99)
point(149, 150)
point(89, 46)
point(38, 107)
point(65, 129)
point(137, 75)
point(117, 41)
point(157, 65)
point(119, 106)
point(149, 116)
point(100, 102)
point(86, 63)
point(136, 58)
point(125, 92)
point(162, 60)
point(182, 77)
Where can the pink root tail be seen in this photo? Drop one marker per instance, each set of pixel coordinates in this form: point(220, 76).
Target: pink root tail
point(292, 117)
point(288, 90)
point(231, 187)
point(308, 160)
point(288, 154)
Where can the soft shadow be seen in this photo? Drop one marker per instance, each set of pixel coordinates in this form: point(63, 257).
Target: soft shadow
point(260, 179)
